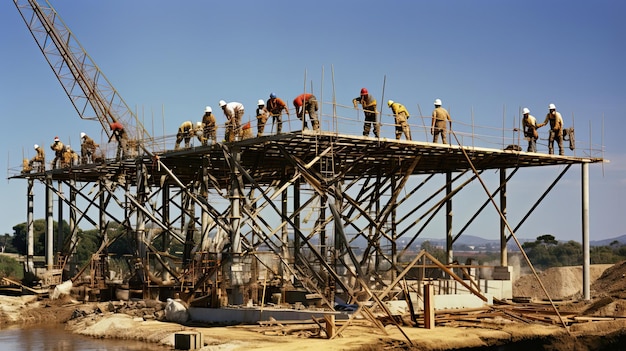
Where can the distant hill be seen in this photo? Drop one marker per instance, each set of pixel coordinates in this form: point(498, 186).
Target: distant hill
point(607, 242)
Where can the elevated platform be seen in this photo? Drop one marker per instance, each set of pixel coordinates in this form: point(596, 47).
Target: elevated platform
point(270, 157)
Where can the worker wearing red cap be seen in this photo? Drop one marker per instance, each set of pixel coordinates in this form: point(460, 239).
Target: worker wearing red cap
point(58, 148)
point(369, 109)
point(120, 135)
point(307, 103)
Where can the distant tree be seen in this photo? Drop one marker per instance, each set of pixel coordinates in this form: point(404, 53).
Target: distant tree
point(547, 239)
point(6, 244)
point(39, 230)
point(438, 253)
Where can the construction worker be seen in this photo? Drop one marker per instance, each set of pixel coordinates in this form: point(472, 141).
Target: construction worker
point(40, 159)
point(529, 125)
point(210, 126)
point(556, 129)
point(307, 103)
point(87, 148)
point(58, 148)
point(70, 157)
point(401, 116)
point(369, 109)
point(262, 114)
point(120, 136)
point(276, 106)
point(246, 131)
point(234, 113)
point(441, 118)
point(185, 131)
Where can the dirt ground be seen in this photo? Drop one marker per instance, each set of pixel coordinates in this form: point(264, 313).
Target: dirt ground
point(601, 329)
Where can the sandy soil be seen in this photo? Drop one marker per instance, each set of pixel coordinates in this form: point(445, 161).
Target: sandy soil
point(143, 320)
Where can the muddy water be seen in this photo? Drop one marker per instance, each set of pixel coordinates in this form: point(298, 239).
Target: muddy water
point(55, 338)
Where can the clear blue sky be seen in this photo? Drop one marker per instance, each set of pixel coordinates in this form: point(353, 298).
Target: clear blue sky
point(484, 59)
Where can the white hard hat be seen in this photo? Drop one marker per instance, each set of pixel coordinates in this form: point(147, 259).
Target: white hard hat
point(82, 134)
point(68, 147)
point(199, 124)
point(208, 109)
point(36, 146)
point(389, 103)
point(525, 111)
point(551, 107)
point(261, 102)
point(437, 102)
point(222, 103)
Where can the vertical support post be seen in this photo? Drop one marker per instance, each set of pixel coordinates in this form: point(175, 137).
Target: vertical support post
point(235, 202)
point(585, 230)
point(285, 232)
point(320, 222)
point(394, 246)
point(503, 208)
point(429, 306)
point(60, 236)
point(30, 241)
point(141, 216)
point(296, 221)
point(73, 228)
point(165, 213)
point(449, 242)
point(49, 224)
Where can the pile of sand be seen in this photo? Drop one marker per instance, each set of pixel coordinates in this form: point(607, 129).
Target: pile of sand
point(560, 282)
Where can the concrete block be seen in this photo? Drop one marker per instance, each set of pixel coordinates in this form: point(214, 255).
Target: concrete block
point(501, 273)
point(188, 340)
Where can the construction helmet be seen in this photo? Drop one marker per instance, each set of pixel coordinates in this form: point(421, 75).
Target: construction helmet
point(389, 103)
point(525, 111)
point(364, 91)
point(272, 96)
point(437, 102)
point(551, 107)
point(56, 138)
point(69, 148)
point(36, 146)
point(82, 135)
point(222, 103)
point(208, 109)
point(199, 124)
point(261, 102)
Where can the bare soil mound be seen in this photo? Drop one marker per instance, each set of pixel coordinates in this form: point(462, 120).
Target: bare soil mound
point(560, 282)
point(612, 281)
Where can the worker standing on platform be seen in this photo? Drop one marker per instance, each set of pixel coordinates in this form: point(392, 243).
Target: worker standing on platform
point(234, 113)
point(276, 106)
point(185, 131)
point(440, 120)
point(529, 125)
point(87, 148)
point(120, 136)
point(58, 148)
point(401, 116)
point(70, 157)
point(369, 109)
point(210, 126)
point(556, 129)
point(307, 103)
point(40, 159)
point(262, 115)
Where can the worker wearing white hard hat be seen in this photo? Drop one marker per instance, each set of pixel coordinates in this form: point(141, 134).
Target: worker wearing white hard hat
point(441, 119)
point(556, 129)
point(529, 125)
point(58, 147)
point(233, 111)
point(262, 115)
point(39, 160)
point(209, 126)
point(87, 149)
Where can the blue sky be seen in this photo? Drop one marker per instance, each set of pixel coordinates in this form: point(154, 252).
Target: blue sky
point(485, 60)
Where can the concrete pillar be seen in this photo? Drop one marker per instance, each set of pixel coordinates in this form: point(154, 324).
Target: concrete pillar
point(30, 243)
point(585, 230)
point(235, 202)
point(296, 220)
point(49, 224)
point(429, 306)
